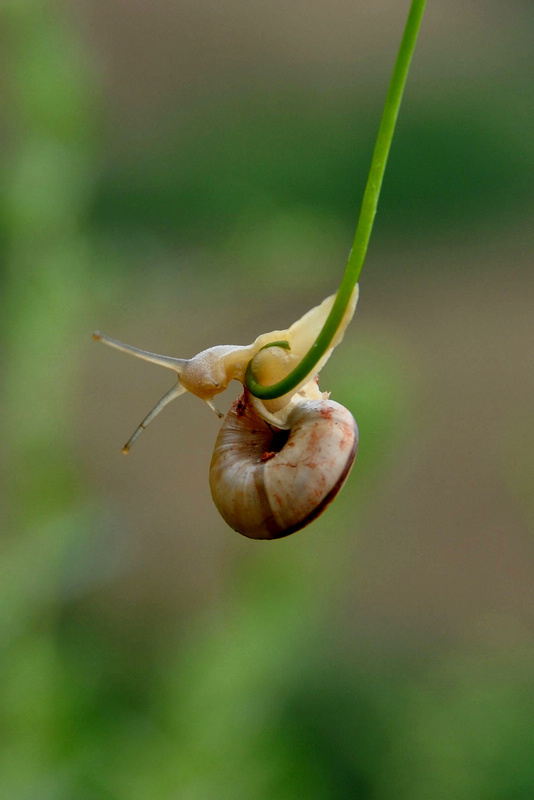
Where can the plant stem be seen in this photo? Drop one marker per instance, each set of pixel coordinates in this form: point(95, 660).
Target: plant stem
point(365, 221)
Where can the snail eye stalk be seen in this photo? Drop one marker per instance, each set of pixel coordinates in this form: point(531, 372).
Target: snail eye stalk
point(172, 394)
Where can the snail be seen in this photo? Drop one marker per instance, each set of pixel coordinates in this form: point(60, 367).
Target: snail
point(277, 462)
point(285, 449)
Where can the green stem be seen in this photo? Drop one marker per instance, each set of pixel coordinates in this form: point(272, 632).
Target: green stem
point(365, 221)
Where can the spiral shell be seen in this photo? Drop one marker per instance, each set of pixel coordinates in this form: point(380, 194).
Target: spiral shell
point(268, 483)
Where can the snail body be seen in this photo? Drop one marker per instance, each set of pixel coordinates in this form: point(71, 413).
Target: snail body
point(268, 483)
point(277, 462)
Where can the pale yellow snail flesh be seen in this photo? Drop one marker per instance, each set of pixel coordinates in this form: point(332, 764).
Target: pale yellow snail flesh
point(297, 473)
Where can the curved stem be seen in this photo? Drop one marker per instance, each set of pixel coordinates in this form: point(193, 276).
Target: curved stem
point(365, 221)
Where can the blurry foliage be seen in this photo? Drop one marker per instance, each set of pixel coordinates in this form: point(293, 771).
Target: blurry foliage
point(251, 700)
point(208, 171)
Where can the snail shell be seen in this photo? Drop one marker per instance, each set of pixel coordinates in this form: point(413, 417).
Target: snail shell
point(268, 483)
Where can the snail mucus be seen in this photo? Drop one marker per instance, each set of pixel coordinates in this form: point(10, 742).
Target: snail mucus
point(277, 463)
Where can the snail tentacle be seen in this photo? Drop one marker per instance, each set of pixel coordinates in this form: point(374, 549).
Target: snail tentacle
point(176, 391)
point(169, 362)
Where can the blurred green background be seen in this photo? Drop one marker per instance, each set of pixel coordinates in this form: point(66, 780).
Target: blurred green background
point(182, 174)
